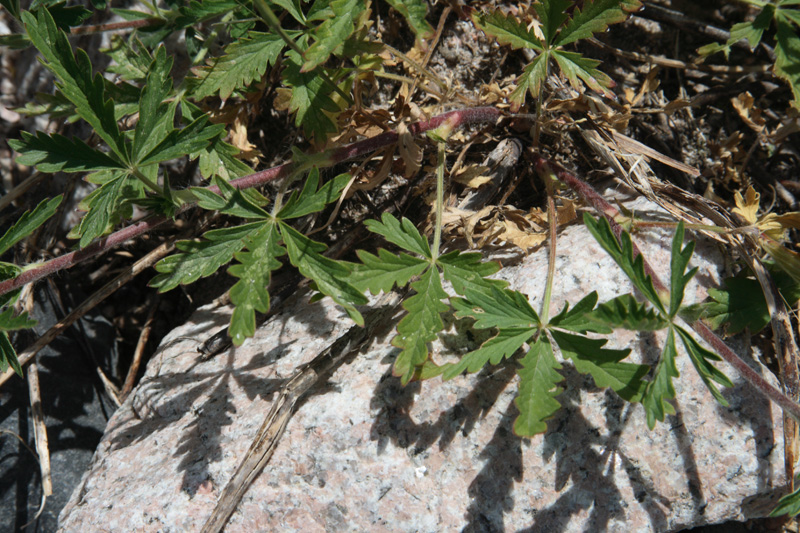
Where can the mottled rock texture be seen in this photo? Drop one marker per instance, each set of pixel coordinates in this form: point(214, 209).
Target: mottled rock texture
point(364, 453)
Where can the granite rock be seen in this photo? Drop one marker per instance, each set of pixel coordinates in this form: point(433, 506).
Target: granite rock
point(365, 453)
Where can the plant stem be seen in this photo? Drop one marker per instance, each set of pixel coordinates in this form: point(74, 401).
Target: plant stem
point(549, 179)
point(437, 230)
point(114, 26)
point(455, 119)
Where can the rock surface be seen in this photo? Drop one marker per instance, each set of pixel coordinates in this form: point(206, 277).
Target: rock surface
point(364, 453)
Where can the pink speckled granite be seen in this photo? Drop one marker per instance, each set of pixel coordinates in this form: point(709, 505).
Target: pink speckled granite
point(366, 454)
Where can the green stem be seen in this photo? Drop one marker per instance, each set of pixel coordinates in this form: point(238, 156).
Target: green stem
point(437, 230)
point(549, 179)
point(148, 182)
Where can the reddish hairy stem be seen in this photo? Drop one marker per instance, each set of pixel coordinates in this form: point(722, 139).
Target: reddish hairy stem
point(610, 213)
point(113, 26)
point(456, 119)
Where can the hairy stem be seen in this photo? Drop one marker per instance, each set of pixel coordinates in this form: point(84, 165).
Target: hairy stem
point(357, 149)
point(437, 231)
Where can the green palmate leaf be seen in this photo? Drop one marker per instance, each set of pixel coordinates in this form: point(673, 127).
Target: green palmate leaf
point(56, 153)
point(604, 365)
point(661, 389)
point(8, 356)
point(402, 233)
point(678, 275)
point(496, 309)
point(702, 360)
point(105, 206)
point(538, 387)
point(250, 294)
point(420, 325)
point(507, 29)
point(552, 14)
point(625, 312)
point(74, 73)
point(179, 143)
point(531, 80)
point(329, 276)
point(28, 222)
point(311, 200)
point(201, 258)
point(311, 100)
point(230, 201)
point(787, 58)
point(621, 251)
point(465, 270)
point(576, 67)
point(414, 11)
point(155, 117)
point(244, 62)
point(500, 347)
point(577, 319)
point(384, 271)
point(594, 17)
point(331, 34)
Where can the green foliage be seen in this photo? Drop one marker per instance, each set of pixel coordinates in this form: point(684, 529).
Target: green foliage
point(257, 246)
point(789, 504)
point(784, 15)
point(558, 29)
point(24, 226)
point(741, 303)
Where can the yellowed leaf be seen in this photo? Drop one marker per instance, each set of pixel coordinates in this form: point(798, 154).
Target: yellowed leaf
point(472, 176)
point(521, 238)
point(751, 115)
point(410, 152)
point(747, 207)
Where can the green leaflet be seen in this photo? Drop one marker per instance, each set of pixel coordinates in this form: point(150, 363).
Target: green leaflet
point(621, 251)
point(384, 271)
point(56, 153)
point(74, 73)
point(155, 117)
point(249, 294)
point(180, 142)
point(329, 276)
point(230, 201)
point(538, 387)
point(105, 206)
point(465, 270)
point(8, 356)
point(679, 260)
point(504, 345)
point(497, 309)
point(244, 62)
point(420, 325)
point(402, 233)
point(310, 199)
point(594, 17)
point(624, 312)
point(661, 388)
point(28, 222)
point(603, 364)
point(702, 360)
point(201, 258)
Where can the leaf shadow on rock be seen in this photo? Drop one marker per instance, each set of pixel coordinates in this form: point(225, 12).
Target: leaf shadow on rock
point(574, 441)
point(163, 400)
